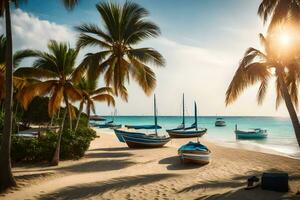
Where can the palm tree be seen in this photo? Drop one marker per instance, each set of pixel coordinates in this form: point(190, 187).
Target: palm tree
point(90, 94)
point(6, 177)
point(258, 67)
point(124, 27)
point(56, 70)
point(279, 11)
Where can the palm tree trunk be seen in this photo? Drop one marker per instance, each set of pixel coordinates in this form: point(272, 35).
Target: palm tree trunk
point(88, 112)
point(289, 105)
point(55, 159)
point(79, 114)
point(6, 177)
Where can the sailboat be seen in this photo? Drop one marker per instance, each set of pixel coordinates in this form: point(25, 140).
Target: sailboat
point(110, 124)
point(139, 139)
point(187, 132)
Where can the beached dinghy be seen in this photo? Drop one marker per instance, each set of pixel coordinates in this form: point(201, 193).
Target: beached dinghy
point(187, 132)
point(139, 139)
point(220, 122)
point(194, 152)
point(255, 133)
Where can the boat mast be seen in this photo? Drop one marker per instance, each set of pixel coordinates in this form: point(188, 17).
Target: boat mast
point(183, 117)
point(155, 115)
point(196, 120)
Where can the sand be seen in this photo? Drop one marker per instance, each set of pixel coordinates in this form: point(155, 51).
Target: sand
point(110, 170)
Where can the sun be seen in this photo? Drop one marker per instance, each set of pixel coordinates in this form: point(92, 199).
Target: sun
point(284, 39)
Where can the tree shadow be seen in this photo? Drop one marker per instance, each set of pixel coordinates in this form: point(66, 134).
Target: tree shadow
point(257, 194)
point(107, 155)
point(112, 149)
point(84, 191)
point(174, 163)
point(98, 166)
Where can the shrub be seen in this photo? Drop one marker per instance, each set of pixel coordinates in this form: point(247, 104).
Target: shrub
point(73, 146)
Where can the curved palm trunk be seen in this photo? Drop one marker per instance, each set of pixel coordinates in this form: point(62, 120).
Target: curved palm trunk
point(55, 159)
point(289, 105)
point(79, 114)
point(6, 177)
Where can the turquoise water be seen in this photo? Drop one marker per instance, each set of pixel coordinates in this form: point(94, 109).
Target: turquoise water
point(281, 138)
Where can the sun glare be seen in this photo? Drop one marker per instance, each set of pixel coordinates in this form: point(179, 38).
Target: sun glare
point(284, 39)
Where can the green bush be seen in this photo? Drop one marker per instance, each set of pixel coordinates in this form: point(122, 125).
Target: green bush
point(73, 146)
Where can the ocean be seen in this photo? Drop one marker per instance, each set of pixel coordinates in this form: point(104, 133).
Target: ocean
point(281, 138)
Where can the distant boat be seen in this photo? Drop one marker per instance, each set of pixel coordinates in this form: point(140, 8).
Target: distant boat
point(187, 132)
point(194, 152)
point(139, 139)
point(220, 122)
point(253, 133)
point(110, 124)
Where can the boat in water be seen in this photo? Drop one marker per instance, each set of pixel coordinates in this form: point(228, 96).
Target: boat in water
point(220, 122)
point(136, 136)
point(187, 132)
point(110, 124)
point(253, 133)
point(194, 152)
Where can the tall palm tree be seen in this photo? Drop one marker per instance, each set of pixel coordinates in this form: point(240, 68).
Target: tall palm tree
point(124, 27)
point(279, 11)
point(6, 177)
point(258, 67)
point(90, 94)
point(55, 69)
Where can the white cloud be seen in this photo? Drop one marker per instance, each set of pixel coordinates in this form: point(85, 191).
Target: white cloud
point(31, 32)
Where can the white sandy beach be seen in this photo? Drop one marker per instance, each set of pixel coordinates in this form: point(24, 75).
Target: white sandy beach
point(110, 170)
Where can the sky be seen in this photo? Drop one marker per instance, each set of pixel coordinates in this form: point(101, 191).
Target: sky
point(202, 42)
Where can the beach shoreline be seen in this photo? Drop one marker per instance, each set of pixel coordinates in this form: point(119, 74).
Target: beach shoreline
point(110, 170)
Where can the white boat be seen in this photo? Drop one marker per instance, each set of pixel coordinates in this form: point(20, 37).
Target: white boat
point(253, 133)
point(194, 152)
point(220, 122)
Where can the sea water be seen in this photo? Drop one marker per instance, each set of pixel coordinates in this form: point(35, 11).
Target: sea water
point(281, 137)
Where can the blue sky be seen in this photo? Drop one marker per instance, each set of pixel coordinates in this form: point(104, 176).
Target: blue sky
point(202, 41)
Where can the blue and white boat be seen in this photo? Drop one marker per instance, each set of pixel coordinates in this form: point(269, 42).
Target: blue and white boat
point(138, 138)
point(220, 122)
point(187, 132)
point(194, 152)
point(253, 133)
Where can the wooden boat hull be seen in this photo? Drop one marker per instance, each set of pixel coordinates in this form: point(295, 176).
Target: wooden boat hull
point(186, 133)
point(251, 135)
point(119, 133)
point(145, 141)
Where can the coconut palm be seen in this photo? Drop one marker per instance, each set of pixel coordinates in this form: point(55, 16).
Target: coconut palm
point(124, 27)
point(6, 177)
point(279, 11)
point(258, 67)
point(91, 94)
point(55, 69)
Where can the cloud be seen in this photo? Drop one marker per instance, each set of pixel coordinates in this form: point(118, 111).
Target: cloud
point(31, 32)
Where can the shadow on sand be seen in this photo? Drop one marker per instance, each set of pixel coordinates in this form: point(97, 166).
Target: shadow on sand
point(107, 155)
point(112, 149)
point(84, 191)
point(237, 185)
point(174, 163)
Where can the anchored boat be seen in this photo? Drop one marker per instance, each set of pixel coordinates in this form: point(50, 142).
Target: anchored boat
point(220, 122)
point(187, 132)
point(254, 133)
point(194, 152)
point(110, 124)
point(137, 138)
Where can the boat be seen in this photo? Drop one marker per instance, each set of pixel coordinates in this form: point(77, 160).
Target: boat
point(137, 138)
point(187, 132)
point(194, 152)
point(94, 119)
point(110, 124)
point(137, 127)
point(252, 133)
point(220, 122)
